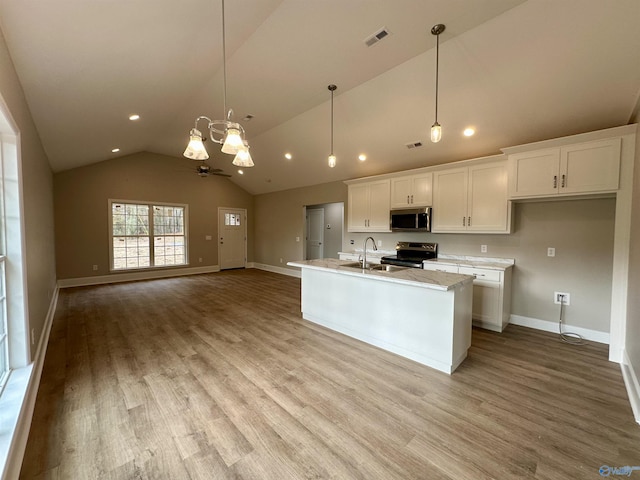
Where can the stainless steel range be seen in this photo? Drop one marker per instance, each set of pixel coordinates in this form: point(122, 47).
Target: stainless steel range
point(411, 254)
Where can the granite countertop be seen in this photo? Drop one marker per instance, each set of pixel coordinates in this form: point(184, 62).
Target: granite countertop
point(478, 262)
point(409, 276)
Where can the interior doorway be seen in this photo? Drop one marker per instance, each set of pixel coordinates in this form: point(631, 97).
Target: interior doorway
point(232, 238)
point(324, 225)
point(315, 233)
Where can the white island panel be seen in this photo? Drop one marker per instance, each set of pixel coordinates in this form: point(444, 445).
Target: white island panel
point(427, 325)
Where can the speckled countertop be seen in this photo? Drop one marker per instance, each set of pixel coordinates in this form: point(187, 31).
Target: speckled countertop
point(489, 263)
point(409, 276)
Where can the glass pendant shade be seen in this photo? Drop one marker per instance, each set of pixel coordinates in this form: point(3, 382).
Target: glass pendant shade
point(436, 132)
point(195, 149)
point(332, 160)
point(243, 157)
point(232, 141)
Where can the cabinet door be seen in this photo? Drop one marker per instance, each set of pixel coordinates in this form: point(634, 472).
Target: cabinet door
point(590, 167)
point(488, 208)
point(486, 305)
point(450, 200)
point(421, 191)
point(379, 201)
point(534, 173)
point(400, 192)
point(358, 208)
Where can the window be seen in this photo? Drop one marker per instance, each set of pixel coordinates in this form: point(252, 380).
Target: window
point(4, 338)
point(147, 235)
point(232, 219)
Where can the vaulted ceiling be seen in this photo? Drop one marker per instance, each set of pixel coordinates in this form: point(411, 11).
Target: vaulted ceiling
point(517, 71)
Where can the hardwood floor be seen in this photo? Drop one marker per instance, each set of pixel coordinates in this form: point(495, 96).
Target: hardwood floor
point(217, 376)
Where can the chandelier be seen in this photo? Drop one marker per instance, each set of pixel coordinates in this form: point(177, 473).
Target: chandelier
point(229, 134)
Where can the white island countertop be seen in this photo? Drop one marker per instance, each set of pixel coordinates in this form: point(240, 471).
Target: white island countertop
point(409, 276)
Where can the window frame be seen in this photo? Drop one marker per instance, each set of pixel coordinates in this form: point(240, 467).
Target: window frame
point(151, 236)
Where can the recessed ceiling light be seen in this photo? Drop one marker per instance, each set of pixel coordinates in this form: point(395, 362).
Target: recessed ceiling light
point(362, 157)
point(288, 156)
point(468, 132)
point(115, 150)
point(241, 172)
point(135, 116)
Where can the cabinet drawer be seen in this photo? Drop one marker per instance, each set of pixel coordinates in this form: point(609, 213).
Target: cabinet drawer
point(439, 267)
point(481, 273)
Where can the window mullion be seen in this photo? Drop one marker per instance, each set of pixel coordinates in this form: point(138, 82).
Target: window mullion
point(152, 243)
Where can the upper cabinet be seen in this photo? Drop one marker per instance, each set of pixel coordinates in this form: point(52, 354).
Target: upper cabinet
point(368, 206)
point(412, 191)
point(471, 199)
point(584, 168)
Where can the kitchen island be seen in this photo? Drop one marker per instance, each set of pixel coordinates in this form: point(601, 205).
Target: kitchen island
point(421, 315)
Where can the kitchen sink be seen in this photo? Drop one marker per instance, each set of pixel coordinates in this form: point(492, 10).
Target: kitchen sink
point(374, 267)
point(388, 268)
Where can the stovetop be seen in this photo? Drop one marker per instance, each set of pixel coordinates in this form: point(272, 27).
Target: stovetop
point(411, 254)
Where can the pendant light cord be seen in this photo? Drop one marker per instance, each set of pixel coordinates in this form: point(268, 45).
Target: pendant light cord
point(331, 122)
point(224, 67)
point(437, 68)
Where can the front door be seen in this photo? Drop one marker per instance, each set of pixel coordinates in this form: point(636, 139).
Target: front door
point(232, 237)
point(315, 233)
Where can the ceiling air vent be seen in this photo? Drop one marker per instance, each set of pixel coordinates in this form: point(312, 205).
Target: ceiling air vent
point(413, 145)
point(376, 37)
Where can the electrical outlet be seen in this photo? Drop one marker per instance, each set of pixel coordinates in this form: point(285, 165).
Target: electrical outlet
point(561, 297)
point(280, 260)
point(95, 268)
point(200, 260)
point(551, 252)
point(379, 243)
point(351, 242)
point(33, 336)
point(483, 249)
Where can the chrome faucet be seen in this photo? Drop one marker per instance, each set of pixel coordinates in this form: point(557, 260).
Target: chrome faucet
point(364, 248)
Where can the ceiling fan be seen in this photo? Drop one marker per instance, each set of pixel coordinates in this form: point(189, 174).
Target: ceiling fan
point(205, 170)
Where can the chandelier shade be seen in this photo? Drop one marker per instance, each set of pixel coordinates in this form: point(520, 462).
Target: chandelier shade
point(195, 149)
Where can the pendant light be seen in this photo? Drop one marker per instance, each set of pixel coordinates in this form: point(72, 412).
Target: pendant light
point(332, 158)
point(436, 129)
point(225, 132)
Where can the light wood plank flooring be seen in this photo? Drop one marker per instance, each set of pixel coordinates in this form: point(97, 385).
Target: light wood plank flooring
point(217, 377)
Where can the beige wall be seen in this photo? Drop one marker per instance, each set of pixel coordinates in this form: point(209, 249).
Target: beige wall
point(37, 196)
point(81, 207)
point(279, 220)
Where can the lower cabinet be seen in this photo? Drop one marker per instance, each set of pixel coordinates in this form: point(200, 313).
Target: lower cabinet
point(491, 293)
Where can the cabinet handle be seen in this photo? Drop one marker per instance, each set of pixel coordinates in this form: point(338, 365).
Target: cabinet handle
point(464, 219)
point(555, 181)
point(408, 199)
point(411, 198)
point(469, 222)
point(563, 181)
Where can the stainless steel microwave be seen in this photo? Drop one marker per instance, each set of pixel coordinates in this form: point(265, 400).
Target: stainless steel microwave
point(411, 220)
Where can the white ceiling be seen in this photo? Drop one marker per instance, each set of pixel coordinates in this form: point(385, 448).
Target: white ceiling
point(518, 71)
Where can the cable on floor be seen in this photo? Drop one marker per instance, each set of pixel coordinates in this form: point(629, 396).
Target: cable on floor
point(568, 337)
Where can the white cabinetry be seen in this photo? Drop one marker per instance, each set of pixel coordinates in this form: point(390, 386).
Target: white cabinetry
point(368, 207)
point(472, 199)
point(491, 293)
point(412, 191)
point(592, 167)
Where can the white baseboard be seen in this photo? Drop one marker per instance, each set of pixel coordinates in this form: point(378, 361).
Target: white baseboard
point(547, 326)
point(632, 383)
point(132, 276)
point(29, 377)
point(283, 271)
